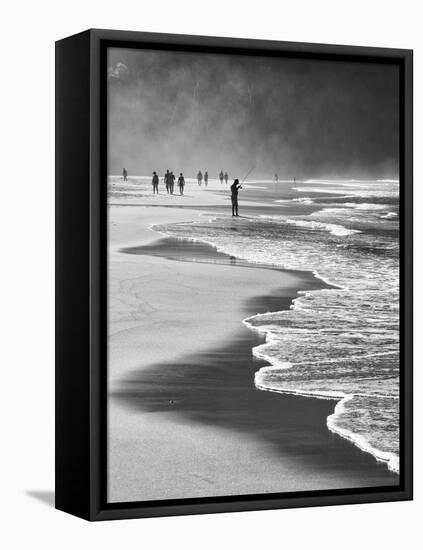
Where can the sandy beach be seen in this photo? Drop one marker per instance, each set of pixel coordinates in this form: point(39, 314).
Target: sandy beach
point(185, 419)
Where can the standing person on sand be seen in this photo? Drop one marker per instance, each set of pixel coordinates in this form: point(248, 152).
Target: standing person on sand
point(181, 183)
point(155, 182)
point(276, 178)
point(199, 178)
point(235, 187)
point(125, 174)
point(206, 178)
point(226, 177)
point(166, 179)
point(221, 176)
point(172, 182)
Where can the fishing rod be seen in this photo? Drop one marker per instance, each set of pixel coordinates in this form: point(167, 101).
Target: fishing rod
point(248, 173)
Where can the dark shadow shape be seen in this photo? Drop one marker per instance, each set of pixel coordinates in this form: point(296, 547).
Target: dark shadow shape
point(46, 497)
point(184, 250)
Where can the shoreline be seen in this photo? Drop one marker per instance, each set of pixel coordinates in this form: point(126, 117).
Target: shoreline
point(198, 251)
point(390, 459)
point(266, 442)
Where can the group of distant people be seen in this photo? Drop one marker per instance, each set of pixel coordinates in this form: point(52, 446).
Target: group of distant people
point(200, 177)
point(277, 179)
point(169, 181)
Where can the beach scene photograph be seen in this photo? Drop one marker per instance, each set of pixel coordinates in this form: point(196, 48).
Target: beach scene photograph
point(252, 275)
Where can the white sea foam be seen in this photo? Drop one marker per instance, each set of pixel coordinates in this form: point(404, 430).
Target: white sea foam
point(333, 423)
point(350, 189)
point(390, 215)
point(365, 205)
point(252, 186)
point(318, 190)
point(333, 228)
point(303, 200)
point(331, 182)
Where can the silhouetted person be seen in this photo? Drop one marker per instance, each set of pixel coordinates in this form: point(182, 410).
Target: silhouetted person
point(221, 176)
point(235, 187)
point(125, 174)
point(155, 182)
point(206, 178)
point(226, 177)
point(172, 182)
point(199, 178)
point(276, 178)
point(181, 183)
point(166, 180)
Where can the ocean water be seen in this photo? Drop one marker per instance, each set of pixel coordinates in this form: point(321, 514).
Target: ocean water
point(338, 343)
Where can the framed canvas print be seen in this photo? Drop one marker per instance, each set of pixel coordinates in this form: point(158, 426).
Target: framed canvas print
point(234, 283)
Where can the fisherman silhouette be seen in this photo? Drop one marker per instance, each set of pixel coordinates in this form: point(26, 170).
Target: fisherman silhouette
point(125, 174)
point(276, 178)
point(226, 177)
point(199, 178)
point(221, 176)
point(155, 182)
point(235, 187)
point(181, 183)
point(206, 178)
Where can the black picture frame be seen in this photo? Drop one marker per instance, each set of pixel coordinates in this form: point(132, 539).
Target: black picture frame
point(81, 291)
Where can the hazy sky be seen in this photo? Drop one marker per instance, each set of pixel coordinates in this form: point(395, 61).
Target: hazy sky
point(307, 118)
